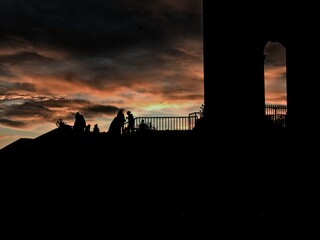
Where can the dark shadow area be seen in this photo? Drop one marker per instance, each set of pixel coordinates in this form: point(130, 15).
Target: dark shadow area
point(188, 182)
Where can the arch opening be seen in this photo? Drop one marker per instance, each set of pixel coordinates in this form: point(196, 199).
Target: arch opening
point(275, 83)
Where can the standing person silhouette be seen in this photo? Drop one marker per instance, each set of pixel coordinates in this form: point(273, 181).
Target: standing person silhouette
point(79, 123)
point(117, 124)
point(115, 128)
point(121, 120)
point(130, 122)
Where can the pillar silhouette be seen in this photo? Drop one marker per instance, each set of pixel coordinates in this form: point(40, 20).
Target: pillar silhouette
point(234, 42)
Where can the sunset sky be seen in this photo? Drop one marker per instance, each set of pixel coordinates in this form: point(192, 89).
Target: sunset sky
point(275, 74)
point(58, 57)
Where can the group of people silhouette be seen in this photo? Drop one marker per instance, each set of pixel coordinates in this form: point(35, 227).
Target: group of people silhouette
point(118, 122)
point(80, 125)
point(116, 127)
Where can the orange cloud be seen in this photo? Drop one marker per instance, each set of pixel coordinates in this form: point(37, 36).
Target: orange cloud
point(275, 85)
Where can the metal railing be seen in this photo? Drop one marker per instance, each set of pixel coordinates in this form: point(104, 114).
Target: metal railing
point(276, 114)
point(168, 123)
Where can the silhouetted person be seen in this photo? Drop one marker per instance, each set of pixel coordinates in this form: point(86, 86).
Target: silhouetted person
point(121, 120)
point(130, 122)
point(142, 126)
point(60, 123)
point(96, 129)
point(115, 127)
point(87, 129)
point(79, 123)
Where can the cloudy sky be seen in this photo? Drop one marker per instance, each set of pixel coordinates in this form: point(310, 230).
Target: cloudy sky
point(275, 73)
point(96, 56)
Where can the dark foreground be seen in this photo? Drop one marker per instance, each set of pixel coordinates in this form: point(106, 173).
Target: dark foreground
point(222, 185)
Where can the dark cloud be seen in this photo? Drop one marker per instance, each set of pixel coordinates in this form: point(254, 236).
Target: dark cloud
point(63, 102)
point(175, 86)
point(12, 87)
point(100, 109)
point(34, 111)
point(87, 26)
point(29, 109)
point(24, 57)
point(12, 123)
point(107, 44)
point(26, 64)
point(129, 69)
point(184, 97)
point(5, 73)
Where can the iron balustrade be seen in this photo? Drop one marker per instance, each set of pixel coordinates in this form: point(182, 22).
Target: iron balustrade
point(276, 114)
point(168, 123)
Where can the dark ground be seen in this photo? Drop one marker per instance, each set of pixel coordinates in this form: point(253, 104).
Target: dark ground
point(257, 185)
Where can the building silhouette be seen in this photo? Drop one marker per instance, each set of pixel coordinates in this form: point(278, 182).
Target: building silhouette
point(234, 62)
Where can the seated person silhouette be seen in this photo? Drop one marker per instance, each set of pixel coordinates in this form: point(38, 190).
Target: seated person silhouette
point(87, 129)
point(142, 126)
point(96, 129)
